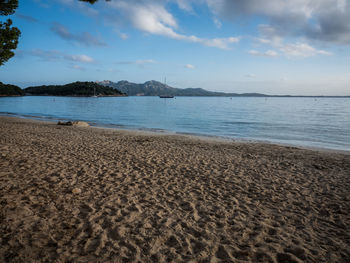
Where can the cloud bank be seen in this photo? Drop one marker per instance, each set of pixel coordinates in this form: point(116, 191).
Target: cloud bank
point(148, 16)
point(321, 20)
point(298, 25)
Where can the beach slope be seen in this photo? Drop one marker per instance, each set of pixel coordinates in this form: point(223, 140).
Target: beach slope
point(71, 194)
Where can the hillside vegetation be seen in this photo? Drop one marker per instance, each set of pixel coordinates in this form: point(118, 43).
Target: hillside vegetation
point(10, 90)
point(74, 89)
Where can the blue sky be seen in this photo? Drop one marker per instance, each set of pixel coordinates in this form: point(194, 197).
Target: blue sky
point(279, 47)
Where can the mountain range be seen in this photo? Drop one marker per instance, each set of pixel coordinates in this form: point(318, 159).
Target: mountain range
point(156, 88)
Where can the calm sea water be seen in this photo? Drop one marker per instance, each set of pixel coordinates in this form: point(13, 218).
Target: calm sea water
point(320, 122)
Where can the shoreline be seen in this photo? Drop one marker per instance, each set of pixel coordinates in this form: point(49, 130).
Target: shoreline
point(166, 132)
point(86, 194)
point(224, 96)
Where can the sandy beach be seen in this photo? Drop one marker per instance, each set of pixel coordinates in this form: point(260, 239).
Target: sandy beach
point(70, 194)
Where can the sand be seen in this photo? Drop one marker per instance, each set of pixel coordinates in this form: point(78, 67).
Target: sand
point(71, 194)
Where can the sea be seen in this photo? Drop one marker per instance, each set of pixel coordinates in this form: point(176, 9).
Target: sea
point(297, 121)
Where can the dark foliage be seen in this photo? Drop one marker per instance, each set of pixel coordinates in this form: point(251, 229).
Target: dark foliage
point(8, 7)
point(8, 40)
point(10, 90)
point(74, 89)
point(8, 35)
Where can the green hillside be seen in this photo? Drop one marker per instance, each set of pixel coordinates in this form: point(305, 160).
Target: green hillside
point(83, 89)
point(10, 90)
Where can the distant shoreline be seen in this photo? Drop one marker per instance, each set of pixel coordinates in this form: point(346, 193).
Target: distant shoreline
point(72, 96)
point(223, 96)
point(123, 87)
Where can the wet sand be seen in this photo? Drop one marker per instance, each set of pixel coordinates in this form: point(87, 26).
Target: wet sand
point(70, 194)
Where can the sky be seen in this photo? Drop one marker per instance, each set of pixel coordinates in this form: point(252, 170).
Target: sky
point(296, 47)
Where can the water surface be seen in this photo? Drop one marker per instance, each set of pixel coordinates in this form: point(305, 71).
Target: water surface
point(310, 122)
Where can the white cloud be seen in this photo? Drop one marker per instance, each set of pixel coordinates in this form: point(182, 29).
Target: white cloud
point(268, 53)
point(152, 17)
point(148, 16)
point(252, 76)
point(79, 67)
point(301, 50)
point(222, 43)
point(217, 22)
point(54, 55)
point(185, 5)
point(79, 58)
point(189, 66)
point(123, 36)
point(271, 37)
point(291, 50)
point(143, 62)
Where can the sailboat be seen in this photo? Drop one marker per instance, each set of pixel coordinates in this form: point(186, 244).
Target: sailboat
point(166, 96)
point(94, 96)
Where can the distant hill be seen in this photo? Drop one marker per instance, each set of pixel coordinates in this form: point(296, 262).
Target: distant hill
point(78, 88)
point(156, 88)
point(10, 90)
